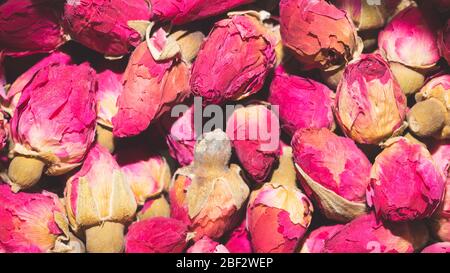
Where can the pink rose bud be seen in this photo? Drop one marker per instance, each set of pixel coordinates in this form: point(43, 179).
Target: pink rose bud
point(206, 245)
point(157, 207)
point(440, 222)
point(255, 134)
point(184, 11)
point(239, 240)
point(208, 194)
point(4, 129)
point(370, 106)
point(443, 247)
point(365, 15)
point(109, 78)
point(242, 41)
point(100, 201)
point(430, 116)
point(106, 26)
point(303, 103)
point(315, 242)
point(444, 41)
point(409, 43)
point(333, 171)
point(181, 137)
point(30, 26)
point(150, 88)
point(157, 235)
point(32, 222)
point(367, 235)
point(147, 173)
point(405, 183)
point(321, 35)
point(53, 124)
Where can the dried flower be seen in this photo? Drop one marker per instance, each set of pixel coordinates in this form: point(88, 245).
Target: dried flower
point(156, 235)
point(321, 35)
point(315, 242)
point(366, 16)
point(208, 193)
point(99, 200)
point(333, 172)
point(53, 124)
point(158, 207)
point(370, 106)
point(302, 102)
point(206, 245)
point(443, 247)
point(444, 41)
point(239, 240)
point(405, 183)
point(242, 41)
point(30, 26)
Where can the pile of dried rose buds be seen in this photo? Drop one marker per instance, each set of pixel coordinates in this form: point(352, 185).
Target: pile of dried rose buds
point(225, 126)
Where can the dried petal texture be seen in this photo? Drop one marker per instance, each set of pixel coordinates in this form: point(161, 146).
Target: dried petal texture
point(367, 235)
point(102, 25)
point(156, 235)
point(302, 102)
point(146, 173)
point(98, 192)
point(443, 247)
point(444, 41)
point(440, 222)
point(277, 218)
point(239, 52)
point(4, 130)
point(405, 183)
point(158, 207)
point(255, 135)
point(365, 15)
point(30, 222)
point(206, 245)
point(2, 76)
point(18, 86)
point(410, 39)
point(55, 117)
point(109, 88)
point(181, 137)
point(321, 35)
point(334, 162)
point(150, 89)
point(239, 240)
point(184, 11)
point(370, 106)
point(315, 242)
point(30, 26)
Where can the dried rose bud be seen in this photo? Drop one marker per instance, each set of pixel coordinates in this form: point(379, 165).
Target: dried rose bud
point(365, 15)
point(100, 201)
point(184, 11)
point(370, 106)
point(30, 26)
point(109, 78)
point(105, 26)
point(443, 247)
point(150, 88)
point(239, 240)
point(440, 222)
point(315, 242)
point(431, 115)
point(32, 222)
point(255, 133)
point(208, 193)
point(157, 235)
point(444, 41)
point(321, 35)
point(146, 173)
point(367, 235)
point(409, 43)
point(181, 137)
point(405, 183)
point(278, 214)
point(303, 103)
point(333, 171)
point(243, 41)
point(206, 245)
point(158, 207)
point(4, 130)
point(53, 124)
